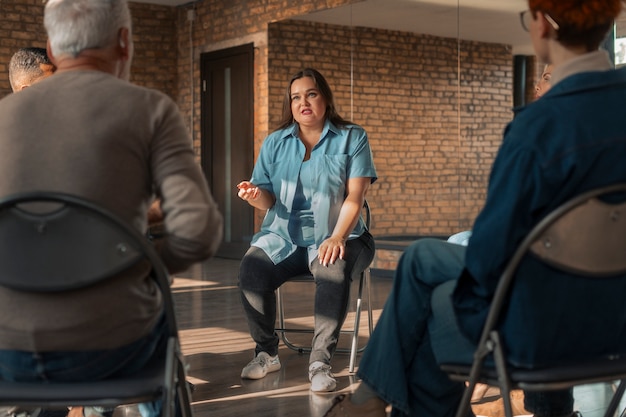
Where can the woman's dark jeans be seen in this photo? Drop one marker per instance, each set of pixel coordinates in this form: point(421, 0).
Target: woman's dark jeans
point(259, 277)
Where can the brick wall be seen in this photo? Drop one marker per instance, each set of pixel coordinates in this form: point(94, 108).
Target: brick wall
point(154, 64)
point(407, 96)
point(220, 24)
point(434, 135)
point(21, 25)
point(154, 34)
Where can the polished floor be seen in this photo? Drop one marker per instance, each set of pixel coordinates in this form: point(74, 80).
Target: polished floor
point(216, 342)
point(217, 345)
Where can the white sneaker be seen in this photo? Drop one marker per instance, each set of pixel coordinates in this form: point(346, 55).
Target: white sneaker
point(261, 366)
point(321, 378)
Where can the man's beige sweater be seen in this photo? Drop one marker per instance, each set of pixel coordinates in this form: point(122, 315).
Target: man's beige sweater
point(90, 134)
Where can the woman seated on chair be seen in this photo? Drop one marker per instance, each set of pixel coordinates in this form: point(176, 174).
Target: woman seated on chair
point(311, 176)
point(570, 141)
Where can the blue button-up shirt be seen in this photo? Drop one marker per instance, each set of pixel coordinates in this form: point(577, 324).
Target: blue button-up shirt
point(340, 154)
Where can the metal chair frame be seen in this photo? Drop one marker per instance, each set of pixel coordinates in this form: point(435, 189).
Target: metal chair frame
point(551, 241)
point(364, 284)
point(35, 258)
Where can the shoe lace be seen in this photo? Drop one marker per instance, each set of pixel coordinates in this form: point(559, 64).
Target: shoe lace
point(325, 369)
point(262, 360)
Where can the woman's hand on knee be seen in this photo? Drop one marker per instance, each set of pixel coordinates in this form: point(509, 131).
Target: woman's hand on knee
point(331, 249)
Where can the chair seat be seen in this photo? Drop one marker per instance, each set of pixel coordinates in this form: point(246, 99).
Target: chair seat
point(142, 386)
point(537, 379)
point(127, 390)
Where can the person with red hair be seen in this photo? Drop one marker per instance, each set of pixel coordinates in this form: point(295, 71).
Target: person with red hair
point(570, 141)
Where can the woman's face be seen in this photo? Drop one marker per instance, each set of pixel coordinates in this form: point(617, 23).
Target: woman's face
point(544, 83)
point(308, 106)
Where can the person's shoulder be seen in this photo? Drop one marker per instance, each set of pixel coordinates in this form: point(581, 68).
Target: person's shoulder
point(528, 124)
point(150, 92)
point(355, 127)
point(114, 84)
point(150, 98)
point(280, 133)
point(343, 129)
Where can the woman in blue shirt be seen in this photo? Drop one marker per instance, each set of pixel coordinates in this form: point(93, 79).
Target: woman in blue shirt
point(311, 177)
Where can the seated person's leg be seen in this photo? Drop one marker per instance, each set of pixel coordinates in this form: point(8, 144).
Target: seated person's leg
point(258, 299)
point(449, 345)
point(258, 279)
point(400, 342)
point(332, 295)
point(85, 365)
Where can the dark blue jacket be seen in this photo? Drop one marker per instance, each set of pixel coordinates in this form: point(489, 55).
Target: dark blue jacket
point(571, 140)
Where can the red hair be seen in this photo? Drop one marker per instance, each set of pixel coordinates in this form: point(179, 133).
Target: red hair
point(581, 22)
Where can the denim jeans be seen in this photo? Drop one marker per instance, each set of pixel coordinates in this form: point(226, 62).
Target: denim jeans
point(417, 330)
point(76, 366)
point(259, 277)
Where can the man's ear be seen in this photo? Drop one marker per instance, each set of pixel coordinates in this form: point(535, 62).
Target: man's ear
point(49, 52)
point(123, 41)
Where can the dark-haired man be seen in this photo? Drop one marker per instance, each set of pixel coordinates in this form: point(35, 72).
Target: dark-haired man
point(27, 66)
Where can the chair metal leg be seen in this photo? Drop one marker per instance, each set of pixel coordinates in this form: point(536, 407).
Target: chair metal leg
point(355, 330)
point(615, 400)
point(503, 377)
point(466, 400)
point(370, 318)
point(184, 394)
point(481, 353)
point(364, 282)
point(282, 330)
point(171, 375)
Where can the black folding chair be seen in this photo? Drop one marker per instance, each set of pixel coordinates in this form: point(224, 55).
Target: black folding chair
point(52, 242)
point(584, 237)
point(364, 284)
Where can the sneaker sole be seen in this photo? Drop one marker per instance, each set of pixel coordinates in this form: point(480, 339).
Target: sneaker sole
point(270, 369)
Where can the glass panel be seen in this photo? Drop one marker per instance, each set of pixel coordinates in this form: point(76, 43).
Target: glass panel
point(620, 41)
point(400, 83)
point(228, 156)
point(434, 83)
point(490, 35)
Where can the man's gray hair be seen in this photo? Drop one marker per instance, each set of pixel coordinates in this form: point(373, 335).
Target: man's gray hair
point(76, 25)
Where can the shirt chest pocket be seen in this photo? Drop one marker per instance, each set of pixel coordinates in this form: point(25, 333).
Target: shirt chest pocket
point(332, 173)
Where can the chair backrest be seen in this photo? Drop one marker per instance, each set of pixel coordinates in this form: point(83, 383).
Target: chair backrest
point(586, 238)
point(586, 235)
point(52, 242)
point(55, 242)
point(579, 247)
point(58, 242)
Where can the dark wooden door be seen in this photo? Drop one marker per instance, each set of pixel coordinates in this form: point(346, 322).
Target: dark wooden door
point(227, 139)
